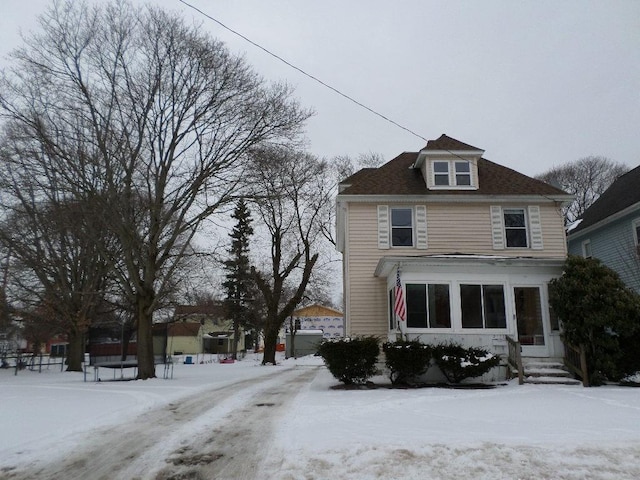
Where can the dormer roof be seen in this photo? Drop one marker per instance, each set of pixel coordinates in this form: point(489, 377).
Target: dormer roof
point(447, 143)
point(400, 177)
point(449, 147)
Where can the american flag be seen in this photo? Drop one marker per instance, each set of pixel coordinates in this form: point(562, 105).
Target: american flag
point(399, 307)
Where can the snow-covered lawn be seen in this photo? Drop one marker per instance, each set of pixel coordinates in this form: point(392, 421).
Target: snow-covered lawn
point(510, 432)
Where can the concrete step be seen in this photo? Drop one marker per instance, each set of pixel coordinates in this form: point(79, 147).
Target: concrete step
point(551, 380)
point(548, 373)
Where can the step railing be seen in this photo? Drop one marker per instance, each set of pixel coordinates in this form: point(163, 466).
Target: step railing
point(514, 359)
point(575, 359)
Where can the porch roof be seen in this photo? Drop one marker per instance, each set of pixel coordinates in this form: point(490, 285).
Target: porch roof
point(386, 265)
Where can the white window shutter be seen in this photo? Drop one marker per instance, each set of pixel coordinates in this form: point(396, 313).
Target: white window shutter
point(535, 226)
point(383, 227)
point(497, 227)
point(421, 227)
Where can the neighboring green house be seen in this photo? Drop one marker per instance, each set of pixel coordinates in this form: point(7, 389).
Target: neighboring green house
point(609, 230)
point(197, 329)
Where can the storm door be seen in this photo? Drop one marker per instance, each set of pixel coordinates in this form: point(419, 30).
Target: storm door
point(531, 331)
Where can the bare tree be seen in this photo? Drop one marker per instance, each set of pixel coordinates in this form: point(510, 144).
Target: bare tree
point(151, 118)
point(63, 275)
point(586, 178)
point(289, 194)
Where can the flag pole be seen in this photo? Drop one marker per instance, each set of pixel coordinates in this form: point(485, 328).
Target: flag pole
point(399, 307)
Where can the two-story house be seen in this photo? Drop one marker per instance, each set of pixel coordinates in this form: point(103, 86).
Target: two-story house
point(472, 243)
point(610, 229)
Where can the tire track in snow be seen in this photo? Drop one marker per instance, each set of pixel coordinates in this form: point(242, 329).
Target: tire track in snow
point(181, 433)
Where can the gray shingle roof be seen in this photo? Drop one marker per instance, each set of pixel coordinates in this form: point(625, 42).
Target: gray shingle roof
point(623, 193)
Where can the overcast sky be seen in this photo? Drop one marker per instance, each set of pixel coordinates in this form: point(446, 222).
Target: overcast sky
point(535, 84)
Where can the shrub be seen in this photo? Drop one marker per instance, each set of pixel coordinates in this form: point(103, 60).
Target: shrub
point(406, 360)
point(351, 361)
point(458, 362)
point(600, 313)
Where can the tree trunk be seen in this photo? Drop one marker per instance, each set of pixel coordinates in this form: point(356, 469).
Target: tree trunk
point(146, 363)
point(270, 341)
point(75, 351)
point(236, 333)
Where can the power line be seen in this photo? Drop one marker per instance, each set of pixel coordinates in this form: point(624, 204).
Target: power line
point(312, 77)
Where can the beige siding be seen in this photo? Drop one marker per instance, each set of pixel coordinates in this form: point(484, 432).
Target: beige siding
point(365, 293)
point(451, 228)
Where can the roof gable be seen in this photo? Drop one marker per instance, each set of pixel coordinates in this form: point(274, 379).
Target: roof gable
point(183, 329)
point(447, 143)
point(623, 193)
point(208, 310)
point(316, 310)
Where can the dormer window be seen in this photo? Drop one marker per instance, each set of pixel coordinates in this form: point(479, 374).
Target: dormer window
point(441, 173)
point(452, 174)
point(463, 173)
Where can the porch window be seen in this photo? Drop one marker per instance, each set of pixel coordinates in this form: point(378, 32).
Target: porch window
point(402, 227)
point(515, 227)
point(483, 306)
point(428, 306)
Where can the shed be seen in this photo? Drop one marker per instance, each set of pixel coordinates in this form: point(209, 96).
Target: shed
point(306, 343)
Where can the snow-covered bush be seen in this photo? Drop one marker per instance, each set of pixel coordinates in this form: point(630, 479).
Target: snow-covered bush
point(457, 362)
point(351, 360)
point(406, 360)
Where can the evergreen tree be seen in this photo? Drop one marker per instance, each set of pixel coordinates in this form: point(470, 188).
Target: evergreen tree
point(239, 284)
point(599, 313)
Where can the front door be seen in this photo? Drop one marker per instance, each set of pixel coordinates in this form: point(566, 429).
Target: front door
point(531, 332)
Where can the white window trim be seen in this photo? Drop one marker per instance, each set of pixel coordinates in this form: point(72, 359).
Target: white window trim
point(586, 244)
point(418, 225)
point(413, 226)
point(484, 329)
point(451, 174)
point(533, 225)
point(469, 173)
point(526, 227)
point(451, 308)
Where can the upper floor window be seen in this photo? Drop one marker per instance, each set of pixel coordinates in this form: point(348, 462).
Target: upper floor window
point(463, 173)
point(441, 173)
point(515, 227)
point(452, 173)
point(586, 249)
point(636, 231)
point(402, 227)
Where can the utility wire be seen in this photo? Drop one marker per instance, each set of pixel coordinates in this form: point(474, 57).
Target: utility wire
point(324, 84)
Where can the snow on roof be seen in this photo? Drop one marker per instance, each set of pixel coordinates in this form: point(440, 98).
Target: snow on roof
point(573, 225)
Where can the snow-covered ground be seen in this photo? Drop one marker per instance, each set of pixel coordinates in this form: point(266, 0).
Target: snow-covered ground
point(510, 432)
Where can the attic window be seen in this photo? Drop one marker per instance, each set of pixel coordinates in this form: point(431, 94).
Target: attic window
point(452, 173)
point(463, 173)
point(441, 173)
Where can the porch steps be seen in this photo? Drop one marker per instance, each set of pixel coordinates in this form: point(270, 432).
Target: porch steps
point(548, 373)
